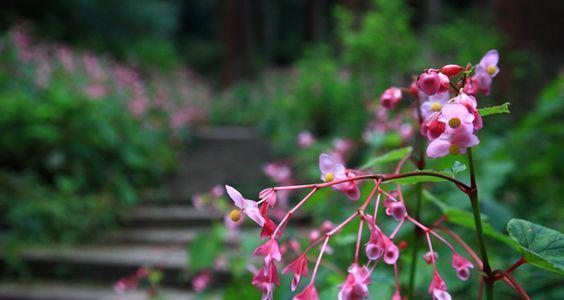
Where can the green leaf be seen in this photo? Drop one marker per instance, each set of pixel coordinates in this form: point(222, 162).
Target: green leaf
point(205, 248)
point(500, 109)
point(393, 155)
point(466, 219)
point(456, 168)
point(421, 178)
point(541, 246)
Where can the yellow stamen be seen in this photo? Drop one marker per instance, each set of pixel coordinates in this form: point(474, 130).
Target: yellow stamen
point(235, 215)
point(454, 149)
point(329, 177)
point(491, 70)
point(436, 106)
point(454, 122)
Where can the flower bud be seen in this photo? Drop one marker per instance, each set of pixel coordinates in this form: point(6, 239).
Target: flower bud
point(390, 98)
point(451, 70)
point(429, 82)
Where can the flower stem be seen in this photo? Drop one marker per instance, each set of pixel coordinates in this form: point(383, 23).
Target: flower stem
point(473, 195)
point(416, 239)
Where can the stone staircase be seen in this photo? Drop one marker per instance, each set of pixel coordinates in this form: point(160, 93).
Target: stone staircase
point(156, 234)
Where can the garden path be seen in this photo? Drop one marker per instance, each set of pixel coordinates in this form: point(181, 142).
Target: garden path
point(157, 232)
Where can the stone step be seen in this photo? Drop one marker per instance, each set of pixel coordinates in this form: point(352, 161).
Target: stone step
point(171, 215)
point(220, 155)
point(107, 264)
point(172, 236)
point(53, 290)
point(182, 216)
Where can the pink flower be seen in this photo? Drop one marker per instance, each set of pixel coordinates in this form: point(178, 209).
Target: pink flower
point(455, 142)
point(438, 288)
point(488, 63)
point(269, 250)
point(269, 225)
point(379, 246)
point(396, 209)
point(434, 104)
point(249, 207)
point(471, 104)
point(278, 172)
point(390, 97)
point(299, 268)
point(332, 170)
point(432, 81)
point(396, 296)
point(202, 281)
point(269, 196)
point(457, 116)
point(265, 279)
point(430, 257)
point(485, 71)
point(462, 266)
point(433, 129)
point(355, 286)
point(231, 224)
point(217, 191)
point(309, 293)
point(305, 139)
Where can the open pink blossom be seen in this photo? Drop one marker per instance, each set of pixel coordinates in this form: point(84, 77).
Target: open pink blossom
point(355, 286)
point(488, 63)
point(434, 104)
point(309, 293)
point(457, 116)
point(454, 143)
point(305, 139)
point(332, 170)
point(249, 207)
point(390, 97)
point(462, 266)
point(438, 288)
point(299, 268)
point(471, 104)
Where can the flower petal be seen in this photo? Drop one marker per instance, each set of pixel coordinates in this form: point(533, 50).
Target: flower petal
point(235, 196)
point(438, 148)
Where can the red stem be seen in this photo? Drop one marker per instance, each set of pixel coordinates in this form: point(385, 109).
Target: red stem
point(383, 177)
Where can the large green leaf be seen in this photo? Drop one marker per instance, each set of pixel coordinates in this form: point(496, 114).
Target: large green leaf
point(500, 109)
point(393, 155)
point(466, 219)
point(541, 246)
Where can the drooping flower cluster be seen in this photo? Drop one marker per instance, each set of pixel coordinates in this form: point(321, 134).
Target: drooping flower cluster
point(380, 246)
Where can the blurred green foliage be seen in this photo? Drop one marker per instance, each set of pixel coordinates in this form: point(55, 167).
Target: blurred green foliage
point(70, 163)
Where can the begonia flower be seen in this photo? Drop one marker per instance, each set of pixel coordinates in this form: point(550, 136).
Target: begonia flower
point(299, 268)
point(249, 207)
